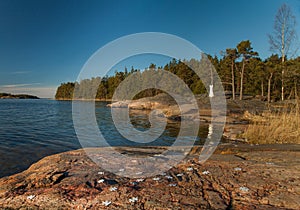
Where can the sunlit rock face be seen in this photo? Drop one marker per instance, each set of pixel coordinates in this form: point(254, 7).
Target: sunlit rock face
point(239, 177)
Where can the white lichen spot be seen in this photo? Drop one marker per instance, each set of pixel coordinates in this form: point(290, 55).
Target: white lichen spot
point(106, 203)
point(30, 197)
point(121, 169)
point(101, 181)
point(205, 172)
point(113, 189)
point(139, 180)
point(189, 169)
point(101, 173)
point(172, 185)
point(139, 173)
point(133, 199)
point(156, 178)
point(169, 177)
point(244, 189)
point(237, 169)
point(158, 155)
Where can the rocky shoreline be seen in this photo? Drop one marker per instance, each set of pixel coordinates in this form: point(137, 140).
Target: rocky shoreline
point(237, 176)
point(238, 114)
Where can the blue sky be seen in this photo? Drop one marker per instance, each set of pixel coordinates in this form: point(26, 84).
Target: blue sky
point(45, 43)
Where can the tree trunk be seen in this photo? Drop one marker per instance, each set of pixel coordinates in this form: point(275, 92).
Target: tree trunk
point(232, 80)
point(296, 93)
point(269, 87)
point(242, 79)
point(262, 88)
point(291, 94)
point(282, 84)
point(237, 89)
point(282, 59)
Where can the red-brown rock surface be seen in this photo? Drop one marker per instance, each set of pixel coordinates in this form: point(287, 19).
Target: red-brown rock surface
point(235, 177)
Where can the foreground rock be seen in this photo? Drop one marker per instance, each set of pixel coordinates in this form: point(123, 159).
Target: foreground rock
point(236, 177)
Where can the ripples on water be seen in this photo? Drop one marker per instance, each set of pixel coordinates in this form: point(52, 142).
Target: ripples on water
point(32, 129)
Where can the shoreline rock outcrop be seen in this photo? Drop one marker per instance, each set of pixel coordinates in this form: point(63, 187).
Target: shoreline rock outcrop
point(166, 105)
point(235, 177)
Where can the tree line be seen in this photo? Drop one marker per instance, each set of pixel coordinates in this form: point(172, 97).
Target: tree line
point(240, 69)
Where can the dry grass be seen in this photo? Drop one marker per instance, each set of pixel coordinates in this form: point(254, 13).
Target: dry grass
point(275, 128)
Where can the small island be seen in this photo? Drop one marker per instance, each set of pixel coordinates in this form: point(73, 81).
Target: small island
point(18, 96)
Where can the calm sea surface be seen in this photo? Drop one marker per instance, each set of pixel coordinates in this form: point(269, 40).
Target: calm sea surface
point(33, 129)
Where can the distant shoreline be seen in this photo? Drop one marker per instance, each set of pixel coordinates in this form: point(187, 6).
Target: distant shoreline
point(17, 96)
point(81, 99)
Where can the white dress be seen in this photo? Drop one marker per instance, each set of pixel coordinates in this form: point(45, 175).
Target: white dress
point(211, 91)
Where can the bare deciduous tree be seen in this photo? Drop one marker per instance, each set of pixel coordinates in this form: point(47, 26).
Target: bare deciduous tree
point(283, 36)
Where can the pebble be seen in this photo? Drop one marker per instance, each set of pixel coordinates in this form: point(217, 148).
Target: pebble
point(139, 180)
point(156, 178)
point(133, 199)
point(179, 175)
point(172, 185)
point(205, 172)
point(113, 189)
point(30, 197)
point(101, 173)
point(189, 169)
point(101, 181)
point(237, 169)
point(244, 189)
point(106, 203)
point(169, 177)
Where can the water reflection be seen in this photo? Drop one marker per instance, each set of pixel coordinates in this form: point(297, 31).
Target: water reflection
point(33, 129)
